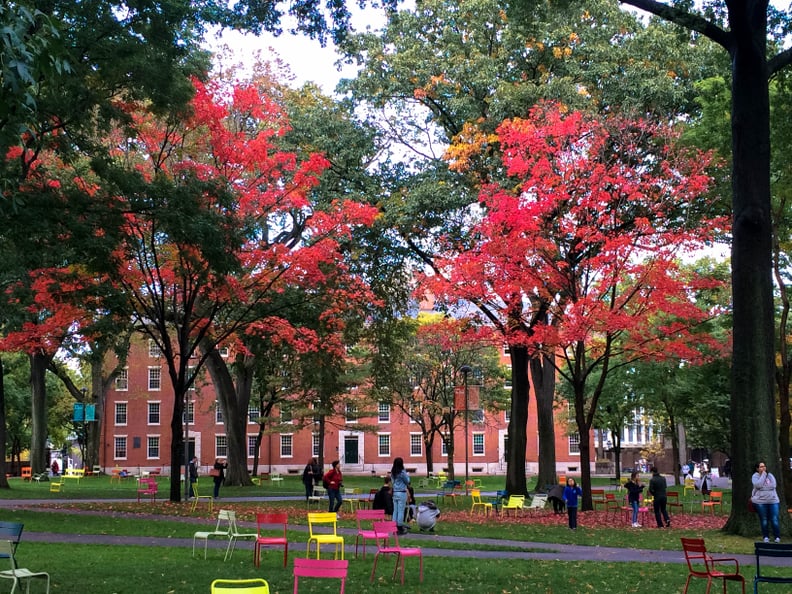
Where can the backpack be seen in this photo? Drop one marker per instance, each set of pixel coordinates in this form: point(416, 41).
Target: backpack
point(325, 482)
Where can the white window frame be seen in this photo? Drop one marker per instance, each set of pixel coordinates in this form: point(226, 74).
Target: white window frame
point(122, 380)
point(573, 442)
point(154, 379)
point(153, 349)
point(150, 403)
point(221, 446)
point(121, 407)
point(287, 445)
point(383, 412)
point(483, 451)
point(120, 440)
point(153, 439)
point(416, 439)
point(384, 439)
point(251, 442)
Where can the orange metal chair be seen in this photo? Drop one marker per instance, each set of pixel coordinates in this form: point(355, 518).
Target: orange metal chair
point(266, 540)
point(715, 500)
point(387, 533)
point(702, 565)
point(365, 515)
point(320, 568)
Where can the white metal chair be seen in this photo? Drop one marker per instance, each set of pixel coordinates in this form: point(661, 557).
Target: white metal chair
point(234, 534)
point(18, 574)
point(222, 516)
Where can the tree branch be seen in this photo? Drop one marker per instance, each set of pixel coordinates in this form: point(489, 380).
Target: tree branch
point(685, 19)
point(779, 61)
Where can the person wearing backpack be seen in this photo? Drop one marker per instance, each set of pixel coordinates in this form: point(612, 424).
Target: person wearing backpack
point(333, 481)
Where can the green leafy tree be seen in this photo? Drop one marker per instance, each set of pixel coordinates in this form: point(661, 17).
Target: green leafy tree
point(743, 28)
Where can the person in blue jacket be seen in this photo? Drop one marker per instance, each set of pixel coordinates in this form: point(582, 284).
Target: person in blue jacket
point(571, 494)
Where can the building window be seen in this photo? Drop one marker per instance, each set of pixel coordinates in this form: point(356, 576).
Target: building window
point(443, 448)
point(478, 444)
point(120, 447)
point(223, 352)
point(477, 416)
point(351, 413)
point(221, 446)
point(191, 413)
point(384, 412)
point(574, 443)
point(252, 446)
point(286, 445)
point(190, 374)
point(122, 380)
point(153, 447)
point(507, 415)
point(218, 413)
point(154, 350)
point(416, 444)
point(286, 415)
point(253, 414)
point(154, 378)
point(315, 445)
point(383, 444)
point(120, 413)
point(153, 413)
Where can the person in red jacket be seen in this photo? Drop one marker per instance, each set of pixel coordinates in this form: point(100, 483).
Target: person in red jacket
point(333, 481)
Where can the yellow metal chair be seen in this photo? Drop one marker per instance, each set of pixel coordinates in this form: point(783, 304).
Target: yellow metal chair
point(322, 530)
point(515, 503)
point(197, 498)
point(690, 485)
point(484, 506)
point(249, 586)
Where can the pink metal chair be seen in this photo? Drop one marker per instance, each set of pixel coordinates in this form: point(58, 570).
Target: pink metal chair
point(365, 515)
point(279, 519)
point(320, 568)
point(385, 533)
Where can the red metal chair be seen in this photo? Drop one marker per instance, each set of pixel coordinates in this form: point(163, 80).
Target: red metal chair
point(387, 535)
point(320, 568)
point(366, 515)
point(701, 564)
point(263, 539)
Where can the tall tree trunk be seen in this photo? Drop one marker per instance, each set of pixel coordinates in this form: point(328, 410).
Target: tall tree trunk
point(177, 448)
point(752, 400)
point(584, 428)
point(518, 422)
point(38, 412)
point(233, 394)
point(3, 437)
point(544, 380)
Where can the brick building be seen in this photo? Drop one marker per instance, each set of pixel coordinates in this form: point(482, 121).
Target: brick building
point(136, 433)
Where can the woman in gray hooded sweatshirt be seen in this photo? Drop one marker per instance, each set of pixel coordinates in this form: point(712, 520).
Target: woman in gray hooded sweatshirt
point(765, 500)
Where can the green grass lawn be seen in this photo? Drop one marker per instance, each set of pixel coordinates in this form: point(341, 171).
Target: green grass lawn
point(121, 569)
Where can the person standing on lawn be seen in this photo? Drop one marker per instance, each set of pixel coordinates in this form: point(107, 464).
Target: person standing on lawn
point(400, 480)
point(333, 481)
point(634, 490)
point(765, 500)
point(658, 489)
point(310, 476)
point(570, 498)
point(218, 474)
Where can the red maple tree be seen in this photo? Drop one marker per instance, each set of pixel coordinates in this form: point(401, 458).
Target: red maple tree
point(217, 224)
point(577, 255)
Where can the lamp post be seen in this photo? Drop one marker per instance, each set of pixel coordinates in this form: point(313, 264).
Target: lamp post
point(465, 370)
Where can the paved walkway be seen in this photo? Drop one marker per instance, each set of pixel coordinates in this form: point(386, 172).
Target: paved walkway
point(522, 549)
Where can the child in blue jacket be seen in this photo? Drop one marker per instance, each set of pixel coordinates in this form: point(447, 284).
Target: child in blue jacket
point(571, 494)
